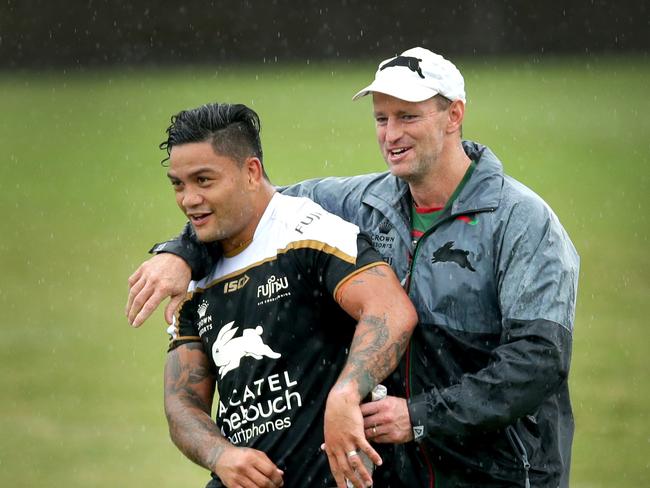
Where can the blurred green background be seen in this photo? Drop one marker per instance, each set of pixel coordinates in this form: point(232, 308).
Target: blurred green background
point(83, 196)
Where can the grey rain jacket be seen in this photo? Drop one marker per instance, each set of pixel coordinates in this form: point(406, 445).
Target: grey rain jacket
point(494, 283)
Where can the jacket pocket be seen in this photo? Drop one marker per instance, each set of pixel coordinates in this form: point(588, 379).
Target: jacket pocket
point(520, 451)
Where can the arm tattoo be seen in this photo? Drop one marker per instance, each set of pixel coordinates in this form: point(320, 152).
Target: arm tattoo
point(375, 271)
point(184, 377)
point(189, 387)
point(369, 361)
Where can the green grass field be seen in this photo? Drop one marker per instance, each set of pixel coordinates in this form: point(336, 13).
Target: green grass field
point(83, 197)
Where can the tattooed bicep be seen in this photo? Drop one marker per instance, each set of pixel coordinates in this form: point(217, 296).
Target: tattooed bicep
point(188, 372)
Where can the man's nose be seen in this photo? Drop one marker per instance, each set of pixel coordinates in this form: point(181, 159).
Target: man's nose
point(393, 130)
point(191, 198)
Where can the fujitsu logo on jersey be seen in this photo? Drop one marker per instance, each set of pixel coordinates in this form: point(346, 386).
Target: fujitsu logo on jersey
point(272, 286)
point(228, 351)
point(306, 220)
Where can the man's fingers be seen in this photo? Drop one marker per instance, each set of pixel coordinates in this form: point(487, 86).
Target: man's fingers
point(148, 308)
point(276, 478)
point(135, 276)
point(263, 478)
point(245, 482)
point(356, 472)
point(164, 275)
point(339, 478)
point(385, 439)
point(370, 408)
point(171, 308)
point(372, 432)
point(372, 421)
point(134, 289)
point(371, 453)
point(334, 467)
point(138, 302)
point(269, 472)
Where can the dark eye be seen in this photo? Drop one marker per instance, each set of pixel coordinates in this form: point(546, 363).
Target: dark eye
point(408, 117)
point(176, 184)
point(381, 120)
point(202, 180)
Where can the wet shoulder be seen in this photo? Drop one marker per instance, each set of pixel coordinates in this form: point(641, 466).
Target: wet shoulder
point(303, 221)
point(520, 200)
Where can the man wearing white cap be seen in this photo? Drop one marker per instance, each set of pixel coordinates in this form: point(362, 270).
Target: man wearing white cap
point(481, 397)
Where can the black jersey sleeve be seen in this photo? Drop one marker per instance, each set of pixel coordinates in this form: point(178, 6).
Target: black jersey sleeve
point(367, 257)
point(332, 266)
point(184, 328)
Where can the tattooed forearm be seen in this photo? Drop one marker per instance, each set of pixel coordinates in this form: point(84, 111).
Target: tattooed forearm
point(386, 318)
point(196, 436)
point(368, 362)
point(189, 386)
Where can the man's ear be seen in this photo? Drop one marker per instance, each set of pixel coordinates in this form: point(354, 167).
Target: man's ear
point(456, 114)
point(253, 167)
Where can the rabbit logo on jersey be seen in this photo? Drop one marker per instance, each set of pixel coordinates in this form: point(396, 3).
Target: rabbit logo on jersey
point(256, 409)
point(227, 351)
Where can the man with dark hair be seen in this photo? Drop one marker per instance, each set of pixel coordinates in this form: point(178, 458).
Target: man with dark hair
point(481, 398)
point(272, 321)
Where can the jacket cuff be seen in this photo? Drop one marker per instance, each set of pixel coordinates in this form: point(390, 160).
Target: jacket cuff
point(197, 257)
point(418, 408)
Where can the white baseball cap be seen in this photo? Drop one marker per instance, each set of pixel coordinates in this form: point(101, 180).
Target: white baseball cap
point(417, 75)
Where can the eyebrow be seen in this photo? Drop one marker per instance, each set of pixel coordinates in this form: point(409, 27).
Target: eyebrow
point(197, 171)
point(400, 112)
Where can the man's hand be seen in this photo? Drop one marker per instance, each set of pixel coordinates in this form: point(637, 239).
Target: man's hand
point(344, 436)
point(387, 421)
point(164, 275)
point(248, 468)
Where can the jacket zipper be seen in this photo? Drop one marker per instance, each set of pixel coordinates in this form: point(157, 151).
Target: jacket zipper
point(407, 287)
point(520, 450)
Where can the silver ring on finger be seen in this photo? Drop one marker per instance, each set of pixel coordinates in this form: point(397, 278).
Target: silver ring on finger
point(374, 430)
point(352, 453)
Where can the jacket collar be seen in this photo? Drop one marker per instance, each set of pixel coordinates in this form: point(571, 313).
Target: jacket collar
point(483, 190)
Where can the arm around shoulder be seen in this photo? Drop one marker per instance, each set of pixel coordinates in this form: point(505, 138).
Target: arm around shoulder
point(164, 275)
point(199, 256)
point(167, 274)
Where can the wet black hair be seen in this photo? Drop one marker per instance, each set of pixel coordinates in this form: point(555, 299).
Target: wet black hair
point(233, 130)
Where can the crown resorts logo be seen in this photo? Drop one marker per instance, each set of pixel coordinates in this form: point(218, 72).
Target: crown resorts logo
point(203, 307)
point(205, 321)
